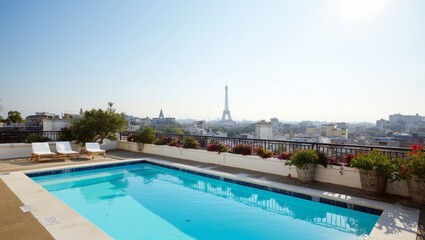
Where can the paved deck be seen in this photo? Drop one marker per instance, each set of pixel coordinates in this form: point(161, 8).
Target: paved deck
point(11, 216)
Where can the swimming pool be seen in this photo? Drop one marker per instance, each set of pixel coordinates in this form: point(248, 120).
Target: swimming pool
point(145, 201)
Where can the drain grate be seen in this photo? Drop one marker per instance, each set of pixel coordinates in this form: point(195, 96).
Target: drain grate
point(315, 198)
point(26, 208)
point(50, 220)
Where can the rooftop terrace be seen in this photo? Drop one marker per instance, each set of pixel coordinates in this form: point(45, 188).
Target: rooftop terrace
point(12, 218)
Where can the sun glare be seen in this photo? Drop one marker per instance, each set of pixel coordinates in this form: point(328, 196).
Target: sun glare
point(358, 10)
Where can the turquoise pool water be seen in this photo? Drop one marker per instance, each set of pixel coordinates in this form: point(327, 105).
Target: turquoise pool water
point(144, 201)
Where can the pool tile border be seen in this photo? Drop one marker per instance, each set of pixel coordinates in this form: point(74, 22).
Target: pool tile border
point(355, 207)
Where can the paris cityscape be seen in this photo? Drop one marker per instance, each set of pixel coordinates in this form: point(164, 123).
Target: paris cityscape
point(277, 119)
point(397, 130)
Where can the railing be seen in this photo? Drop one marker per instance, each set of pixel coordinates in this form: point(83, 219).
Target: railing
point(21, 136)
point(337, 152)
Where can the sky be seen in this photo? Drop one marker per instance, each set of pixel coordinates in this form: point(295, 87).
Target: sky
point(325, 60)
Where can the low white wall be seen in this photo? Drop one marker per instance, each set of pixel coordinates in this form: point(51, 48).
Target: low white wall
point(24, 150)
point(15, 150)
point(349, 177)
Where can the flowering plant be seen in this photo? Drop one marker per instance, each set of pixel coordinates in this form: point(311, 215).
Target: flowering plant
point(163, 141)
point(130, 138)
point(413, 164)
point(263, 153)
point(348, 158)
point(284, 156)
point(217, 147)
point(242, 149)
point(175, 143)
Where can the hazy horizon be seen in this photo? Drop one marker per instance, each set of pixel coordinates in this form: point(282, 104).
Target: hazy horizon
point(327, 60)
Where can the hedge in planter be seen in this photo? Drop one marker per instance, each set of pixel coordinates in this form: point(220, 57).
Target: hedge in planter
point(190, 142)
point(262, 152)
point(217, 147)
point(242, 149)
point(146, 135)
point(375, 168)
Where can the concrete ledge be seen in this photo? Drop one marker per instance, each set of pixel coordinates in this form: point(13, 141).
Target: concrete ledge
point(350, 177)
point(46, 207)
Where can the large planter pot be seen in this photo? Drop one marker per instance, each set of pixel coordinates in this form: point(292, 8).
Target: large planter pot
point(306, 175)
point(373, 184)
point(416, 187)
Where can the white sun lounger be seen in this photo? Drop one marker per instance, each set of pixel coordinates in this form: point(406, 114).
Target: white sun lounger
point(93, 148)
point(41, 149)
point(64, 149)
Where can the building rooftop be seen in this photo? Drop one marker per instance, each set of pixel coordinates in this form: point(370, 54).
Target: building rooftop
point(11, 216)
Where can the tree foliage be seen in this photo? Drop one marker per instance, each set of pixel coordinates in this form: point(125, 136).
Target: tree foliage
point(172, 130)
point(146, 135)
point(235, 131)
point(190, 142)
point(97, 125)
point(14, 117)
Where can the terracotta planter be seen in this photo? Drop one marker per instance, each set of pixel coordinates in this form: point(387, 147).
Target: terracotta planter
point(416, 187)
point(306, 175)
point(140, 146)
point(372, 183)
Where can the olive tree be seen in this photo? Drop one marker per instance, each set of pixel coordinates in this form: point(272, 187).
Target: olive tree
point(98, 124)
point(14, 117)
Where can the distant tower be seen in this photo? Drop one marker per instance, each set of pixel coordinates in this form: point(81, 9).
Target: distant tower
point(161, 114)
point(226, 113)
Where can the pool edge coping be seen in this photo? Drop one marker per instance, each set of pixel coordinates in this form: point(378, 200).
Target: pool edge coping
point(386, 227)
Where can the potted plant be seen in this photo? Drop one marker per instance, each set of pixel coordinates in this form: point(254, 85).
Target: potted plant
point(374, 167)
point(412, 169)
point(146, 135)
point(306, 161)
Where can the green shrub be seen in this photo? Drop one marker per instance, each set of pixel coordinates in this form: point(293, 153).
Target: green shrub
point(146, 135)
point(163, 141)
point(65, 135)
point(374, 161)
point(262, 152)
point(190, 142)
point(323, 158)
point(33, 137)
point(302, 158)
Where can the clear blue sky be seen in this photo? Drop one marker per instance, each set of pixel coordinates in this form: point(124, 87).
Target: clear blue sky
point(351, 60)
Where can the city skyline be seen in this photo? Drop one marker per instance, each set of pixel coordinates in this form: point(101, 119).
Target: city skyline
point(335, 61)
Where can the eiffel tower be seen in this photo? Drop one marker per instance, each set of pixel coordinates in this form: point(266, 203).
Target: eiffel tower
point(226, 118)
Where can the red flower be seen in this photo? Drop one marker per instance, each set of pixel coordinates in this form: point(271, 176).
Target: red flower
point(416, 148)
